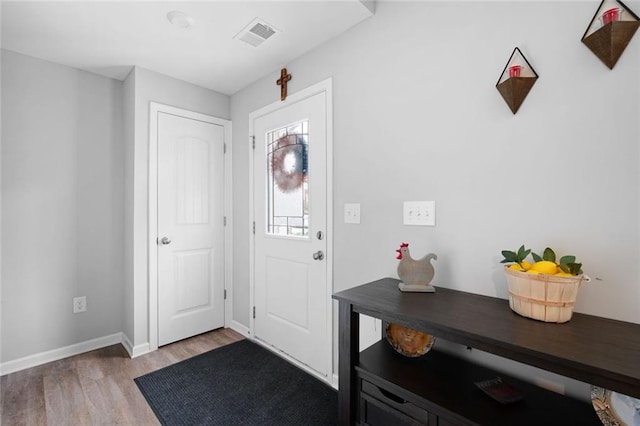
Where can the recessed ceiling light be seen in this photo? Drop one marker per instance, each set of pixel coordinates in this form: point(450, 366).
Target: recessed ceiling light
point(180, 19)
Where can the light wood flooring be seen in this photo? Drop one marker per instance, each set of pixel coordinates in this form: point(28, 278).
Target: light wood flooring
point(94, 388)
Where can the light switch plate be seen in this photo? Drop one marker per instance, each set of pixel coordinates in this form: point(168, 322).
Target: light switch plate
point(419, 213)
point(352, 213)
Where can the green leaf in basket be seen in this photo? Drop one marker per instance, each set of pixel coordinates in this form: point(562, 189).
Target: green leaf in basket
point(575, 268)
point(509, 256)
point(536, 257)
point(522, 253)
point(549, 255)
point(567, 259)
point(515, 257)
point(564, 263)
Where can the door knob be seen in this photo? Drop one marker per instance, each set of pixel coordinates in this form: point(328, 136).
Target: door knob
point(165, 240)
point(319, 255)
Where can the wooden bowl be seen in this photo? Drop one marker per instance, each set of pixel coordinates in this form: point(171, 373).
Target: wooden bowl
point(407, 341)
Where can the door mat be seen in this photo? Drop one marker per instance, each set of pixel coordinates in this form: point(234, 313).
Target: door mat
point(238, 384)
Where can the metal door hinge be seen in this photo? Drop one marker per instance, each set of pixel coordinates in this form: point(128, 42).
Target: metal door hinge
point(254, 312)
point(225, 294)
point(224, 149)
point(225, 221)
point(253, 142)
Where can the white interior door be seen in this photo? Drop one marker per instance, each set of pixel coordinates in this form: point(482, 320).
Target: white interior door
point(290, 246)
point(190, 227)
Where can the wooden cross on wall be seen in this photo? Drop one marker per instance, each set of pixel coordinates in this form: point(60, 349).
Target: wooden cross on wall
point(282, 82)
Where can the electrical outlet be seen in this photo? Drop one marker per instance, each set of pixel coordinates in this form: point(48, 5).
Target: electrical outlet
point(352, 213)
point(419, 213)
point(79, 304)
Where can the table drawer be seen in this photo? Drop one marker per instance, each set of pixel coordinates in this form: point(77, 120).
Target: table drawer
point(379, 406)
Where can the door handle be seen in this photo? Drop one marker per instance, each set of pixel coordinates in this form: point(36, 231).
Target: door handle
point(165, 241)
point(319, 255)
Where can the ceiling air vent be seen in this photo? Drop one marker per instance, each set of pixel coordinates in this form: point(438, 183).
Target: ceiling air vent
point(256, 32)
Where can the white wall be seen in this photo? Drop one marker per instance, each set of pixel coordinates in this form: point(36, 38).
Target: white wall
point(1, 299)
point(74, 184)
point(128, 107)
point(62, 189)
point(150, 86)
point(417, 117)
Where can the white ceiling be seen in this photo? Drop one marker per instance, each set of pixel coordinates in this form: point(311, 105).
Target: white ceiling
point(109, 37)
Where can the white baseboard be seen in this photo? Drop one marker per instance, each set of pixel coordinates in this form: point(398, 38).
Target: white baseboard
point(60, 353)
point(135, 351)
point(126, 342)
point(141, 349)
point(334, 381)
point(236, 326)
point(90, 345)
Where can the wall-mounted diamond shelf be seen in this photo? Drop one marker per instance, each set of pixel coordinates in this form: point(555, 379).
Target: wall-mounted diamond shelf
point(610, 31)
point(516, 80)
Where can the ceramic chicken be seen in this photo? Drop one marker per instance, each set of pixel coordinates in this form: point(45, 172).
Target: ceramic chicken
point(416, 275)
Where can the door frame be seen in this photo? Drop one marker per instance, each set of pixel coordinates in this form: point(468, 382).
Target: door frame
point(326, 87)
point(154, 109)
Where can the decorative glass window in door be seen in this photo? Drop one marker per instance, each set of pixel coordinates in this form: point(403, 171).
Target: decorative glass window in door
point(287, 180)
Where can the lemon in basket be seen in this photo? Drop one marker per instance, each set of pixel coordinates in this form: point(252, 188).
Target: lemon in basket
point(522, 267)
point(545, 267)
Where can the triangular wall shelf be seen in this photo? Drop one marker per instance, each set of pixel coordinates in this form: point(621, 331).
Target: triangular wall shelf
point(516, 80)
point(610, 31)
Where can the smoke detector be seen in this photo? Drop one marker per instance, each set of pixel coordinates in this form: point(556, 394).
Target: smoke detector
point(256, 33)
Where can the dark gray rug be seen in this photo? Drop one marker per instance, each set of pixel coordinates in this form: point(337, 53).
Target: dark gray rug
point(238, 384)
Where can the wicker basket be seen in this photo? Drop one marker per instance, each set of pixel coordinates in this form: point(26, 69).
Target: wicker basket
point(543, 297)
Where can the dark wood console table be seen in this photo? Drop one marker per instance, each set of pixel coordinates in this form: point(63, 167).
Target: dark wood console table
point(590, 349)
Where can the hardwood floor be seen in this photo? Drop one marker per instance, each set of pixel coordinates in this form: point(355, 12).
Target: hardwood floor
point(94, 388)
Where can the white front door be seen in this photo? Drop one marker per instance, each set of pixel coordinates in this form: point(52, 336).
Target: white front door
point(291, 290)
point(190, 227)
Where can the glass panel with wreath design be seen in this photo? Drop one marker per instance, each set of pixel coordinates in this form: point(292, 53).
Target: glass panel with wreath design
point(287, 181)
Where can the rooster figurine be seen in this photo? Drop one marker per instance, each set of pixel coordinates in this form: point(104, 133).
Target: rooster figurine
point(415, 274)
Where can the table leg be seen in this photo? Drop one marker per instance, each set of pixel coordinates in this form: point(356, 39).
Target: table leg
point(348, 353)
